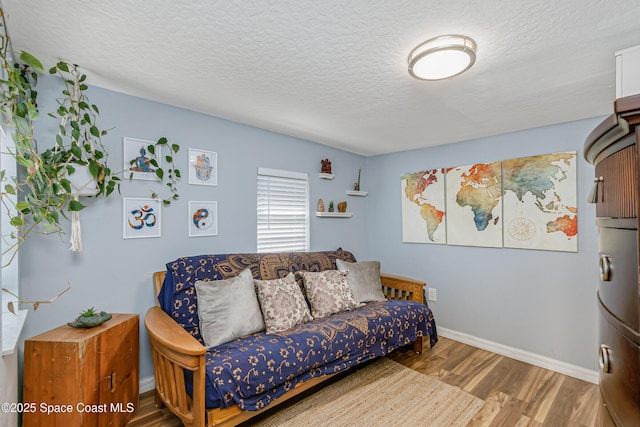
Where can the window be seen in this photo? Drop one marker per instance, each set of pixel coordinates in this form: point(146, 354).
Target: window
point(283, 211)
point(10, 272)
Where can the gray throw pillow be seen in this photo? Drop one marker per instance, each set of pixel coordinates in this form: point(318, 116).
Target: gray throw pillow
point(228, 309)
point(363, 279)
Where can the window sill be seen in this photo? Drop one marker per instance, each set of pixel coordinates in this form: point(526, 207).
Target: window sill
point(11, 328)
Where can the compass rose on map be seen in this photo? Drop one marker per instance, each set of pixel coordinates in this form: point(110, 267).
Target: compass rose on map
point(521, 229)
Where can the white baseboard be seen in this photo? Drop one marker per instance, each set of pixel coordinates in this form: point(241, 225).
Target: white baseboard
point(522, 355)
point(147, 384)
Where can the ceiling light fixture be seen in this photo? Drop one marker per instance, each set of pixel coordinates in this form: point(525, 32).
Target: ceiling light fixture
point(442, 57)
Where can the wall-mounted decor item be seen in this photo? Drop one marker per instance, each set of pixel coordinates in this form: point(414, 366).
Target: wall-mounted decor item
point(139, 161)
point(540, 202)
point(326, 166)
point(203, 167)
point(141, 218)
point(203, 219)
point(523, 203)
point(423, 207)
point(474, 205)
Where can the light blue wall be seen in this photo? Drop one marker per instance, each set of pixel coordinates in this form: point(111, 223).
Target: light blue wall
point(538, 301)
point(113, 274)
point(542, 302)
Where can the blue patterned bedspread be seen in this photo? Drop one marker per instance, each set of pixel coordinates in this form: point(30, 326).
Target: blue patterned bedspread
point(254, 370)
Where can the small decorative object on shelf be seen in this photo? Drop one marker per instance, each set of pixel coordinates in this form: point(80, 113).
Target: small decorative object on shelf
point(89, 319)
point(331, 206)
point(356, 186)
point(326, 166)
point(342, 206)
point(320, 205)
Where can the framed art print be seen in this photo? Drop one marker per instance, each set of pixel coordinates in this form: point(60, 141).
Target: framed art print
point(203, 167)
point(140, 218)
point(203, 219)
point(139, 163)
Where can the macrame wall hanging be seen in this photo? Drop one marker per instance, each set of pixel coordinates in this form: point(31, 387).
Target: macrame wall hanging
point(82, 184)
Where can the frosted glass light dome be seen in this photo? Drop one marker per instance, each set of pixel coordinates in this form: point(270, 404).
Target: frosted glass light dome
point(442, 57)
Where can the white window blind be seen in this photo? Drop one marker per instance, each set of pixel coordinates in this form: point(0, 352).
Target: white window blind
point(283, 211)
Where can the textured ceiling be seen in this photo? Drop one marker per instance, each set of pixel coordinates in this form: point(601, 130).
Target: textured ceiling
point(335, 71)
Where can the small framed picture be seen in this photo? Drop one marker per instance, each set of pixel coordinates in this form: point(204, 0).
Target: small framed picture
point(203, 219)
point(139, 163)
point(203, 167)
point(141, 218)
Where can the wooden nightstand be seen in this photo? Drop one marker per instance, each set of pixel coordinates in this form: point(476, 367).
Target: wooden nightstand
point(82, 377)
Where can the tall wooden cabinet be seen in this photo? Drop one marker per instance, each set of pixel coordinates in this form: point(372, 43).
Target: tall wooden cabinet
point(83, 377)
point(613, 148)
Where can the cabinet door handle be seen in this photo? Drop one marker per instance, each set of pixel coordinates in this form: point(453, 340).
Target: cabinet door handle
point(603, 358)
point(593, 196)
point(605, 268)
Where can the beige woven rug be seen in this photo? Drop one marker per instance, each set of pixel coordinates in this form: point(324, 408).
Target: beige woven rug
point(384, 393)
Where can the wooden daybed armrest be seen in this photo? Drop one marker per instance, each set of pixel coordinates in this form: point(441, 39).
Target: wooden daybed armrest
point(398, 287)
point(172, 336)
point(174, 350)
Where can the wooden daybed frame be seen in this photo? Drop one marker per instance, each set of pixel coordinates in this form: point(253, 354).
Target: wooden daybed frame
point(174, 350)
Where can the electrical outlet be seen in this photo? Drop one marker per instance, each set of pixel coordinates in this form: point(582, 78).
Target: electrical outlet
point(432, 294)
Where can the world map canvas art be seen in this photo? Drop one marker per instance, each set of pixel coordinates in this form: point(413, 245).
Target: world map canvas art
point(540, 202)
point(525, 203)
point(474, 205)
point(423, 207)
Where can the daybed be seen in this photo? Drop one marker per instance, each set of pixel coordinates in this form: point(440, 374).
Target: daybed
point(233, 381)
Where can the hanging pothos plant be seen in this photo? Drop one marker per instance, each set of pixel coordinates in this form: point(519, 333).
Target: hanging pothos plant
point(43, 192)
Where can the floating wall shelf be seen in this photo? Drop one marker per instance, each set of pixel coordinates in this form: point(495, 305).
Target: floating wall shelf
point(325, 175)
point(334, 214)
point(356, 193)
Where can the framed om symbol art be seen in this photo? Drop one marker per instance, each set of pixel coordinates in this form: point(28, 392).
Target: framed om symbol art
point(141, 218)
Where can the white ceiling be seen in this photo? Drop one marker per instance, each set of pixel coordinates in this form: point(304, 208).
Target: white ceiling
point(335, 71)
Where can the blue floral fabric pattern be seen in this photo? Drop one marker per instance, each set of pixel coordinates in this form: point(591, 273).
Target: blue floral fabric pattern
point(252, 371)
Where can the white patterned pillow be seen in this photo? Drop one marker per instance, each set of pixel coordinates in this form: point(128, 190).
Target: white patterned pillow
point(328, 293)
point(282, 302)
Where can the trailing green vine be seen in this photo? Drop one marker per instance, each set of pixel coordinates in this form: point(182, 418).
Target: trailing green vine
point(37, 198)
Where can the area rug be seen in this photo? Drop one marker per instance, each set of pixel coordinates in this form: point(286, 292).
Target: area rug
point(384, 393)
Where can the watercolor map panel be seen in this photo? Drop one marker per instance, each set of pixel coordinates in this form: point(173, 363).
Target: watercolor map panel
point(540, 202)
point(423, 205)
point(474, 205)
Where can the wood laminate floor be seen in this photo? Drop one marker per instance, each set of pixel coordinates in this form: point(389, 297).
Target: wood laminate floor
point(515, 394)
